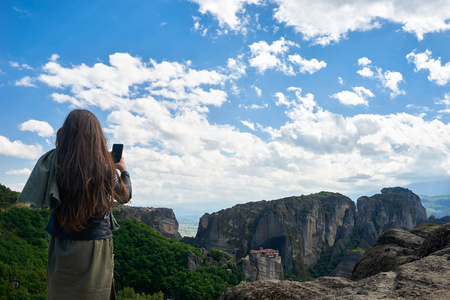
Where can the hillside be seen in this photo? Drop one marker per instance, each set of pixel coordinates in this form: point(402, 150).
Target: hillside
point(438, 206)
point(7, 197)
point(145, 261)
point(23, 254)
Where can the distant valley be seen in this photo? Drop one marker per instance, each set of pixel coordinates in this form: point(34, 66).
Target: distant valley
point(438, 206)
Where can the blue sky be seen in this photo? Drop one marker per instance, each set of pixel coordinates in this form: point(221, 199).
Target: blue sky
point(225, 102)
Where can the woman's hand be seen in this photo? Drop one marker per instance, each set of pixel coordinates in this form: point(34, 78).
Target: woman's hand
point(121, 165)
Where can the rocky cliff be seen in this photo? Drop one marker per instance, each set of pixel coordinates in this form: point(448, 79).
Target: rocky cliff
point(306, 228)
point(162, 220)
point(402, 265)
point(299, 227)
point(393, 208)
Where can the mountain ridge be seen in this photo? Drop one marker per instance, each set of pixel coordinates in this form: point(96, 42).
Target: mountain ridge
point(303, 227)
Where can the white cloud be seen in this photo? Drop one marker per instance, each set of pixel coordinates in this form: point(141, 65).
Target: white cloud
point(385, 147)
point(62, 98)
point(340, 80)
point(24, 171)
point(391, 80)
point(323, 21)
point(198, 27)
point(258, 91)
point(265, 56)
point(236, 67)
point(254, 106)
point(310, 66)
point(264, 61)
point(281, 100)
point(54, 57)
point(307, 101)
point(419, 107)
point(357, 97)
point(444, 111)
point(445, 101)
point(327, 21)
point(26, 81)
point(365, 72)
point(184, 153)
point(42, 128)
point(439, 74)
point(16, 65)
point(364, 61)
point(110, 86)
point(249, 125)
point(19, 149)
point(226, 11)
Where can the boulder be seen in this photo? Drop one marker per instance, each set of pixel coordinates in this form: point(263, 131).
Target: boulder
point(162, 220)
point(194, 262)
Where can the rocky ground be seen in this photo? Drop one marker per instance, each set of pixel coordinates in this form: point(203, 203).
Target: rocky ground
point(411, 264)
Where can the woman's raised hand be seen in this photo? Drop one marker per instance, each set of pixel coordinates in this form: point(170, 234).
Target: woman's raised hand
point(121, 165)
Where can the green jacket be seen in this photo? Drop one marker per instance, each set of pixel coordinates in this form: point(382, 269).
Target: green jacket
point(41, 189)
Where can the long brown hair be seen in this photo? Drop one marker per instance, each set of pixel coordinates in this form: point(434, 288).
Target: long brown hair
point(85, 171)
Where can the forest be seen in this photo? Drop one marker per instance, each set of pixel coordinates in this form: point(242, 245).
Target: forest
point(147, 265)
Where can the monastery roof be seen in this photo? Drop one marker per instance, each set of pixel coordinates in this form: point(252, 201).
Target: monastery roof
point(262, 251)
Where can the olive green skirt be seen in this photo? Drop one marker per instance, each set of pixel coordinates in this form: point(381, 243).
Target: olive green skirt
point(80, 269)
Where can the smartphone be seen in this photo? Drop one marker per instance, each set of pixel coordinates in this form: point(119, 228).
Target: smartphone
point(117, 152)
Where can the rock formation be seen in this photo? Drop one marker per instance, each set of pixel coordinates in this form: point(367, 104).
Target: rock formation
point(394, 247)
point(262, 264)
point(298, 227)
point(411, 264)
point(302, 228)
point(162, 220)
point(393, 208)
point(194, 262)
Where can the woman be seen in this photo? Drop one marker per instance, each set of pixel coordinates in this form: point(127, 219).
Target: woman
point(79, 182)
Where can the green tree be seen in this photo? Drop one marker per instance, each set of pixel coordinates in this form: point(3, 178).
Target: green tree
point(7, 197)
point(23, 254)
point(128, 293)
point(149, 262)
